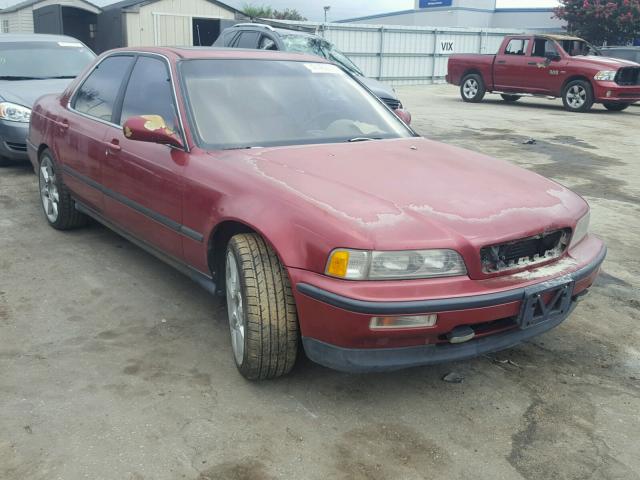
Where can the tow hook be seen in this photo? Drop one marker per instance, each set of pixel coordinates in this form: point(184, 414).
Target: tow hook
point(461, 334)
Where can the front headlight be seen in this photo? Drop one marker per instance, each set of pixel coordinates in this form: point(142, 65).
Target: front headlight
point(581, 230)
point(14, 112)
point(606, 75)
point(394, 265)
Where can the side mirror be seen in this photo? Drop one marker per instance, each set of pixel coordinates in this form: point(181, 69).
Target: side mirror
point(552, 56)
point(403, 115)
point(152, 129)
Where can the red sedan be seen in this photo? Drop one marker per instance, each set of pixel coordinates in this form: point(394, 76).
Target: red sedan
point(278, 179)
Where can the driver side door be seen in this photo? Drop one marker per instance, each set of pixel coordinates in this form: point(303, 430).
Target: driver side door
point(544, 75)
point(145, 179)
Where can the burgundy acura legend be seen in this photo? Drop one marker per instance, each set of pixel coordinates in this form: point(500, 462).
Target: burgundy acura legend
point(279, 179)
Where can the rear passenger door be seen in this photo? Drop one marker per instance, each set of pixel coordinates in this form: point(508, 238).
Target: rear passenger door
point(145, 179)
point(79, 141)
point(510, 66)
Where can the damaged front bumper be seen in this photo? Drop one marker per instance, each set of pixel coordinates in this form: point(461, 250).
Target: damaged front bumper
point(336, 334)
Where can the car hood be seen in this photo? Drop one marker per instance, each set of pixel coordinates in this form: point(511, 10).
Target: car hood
point(379, 89)
point(415, 192)
point(605, 62)
point(26, 92)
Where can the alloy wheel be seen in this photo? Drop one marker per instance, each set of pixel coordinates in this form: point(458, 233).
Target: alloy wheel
point(576, 96)
point(235, 307)
point(49, 194)
point(470, 88)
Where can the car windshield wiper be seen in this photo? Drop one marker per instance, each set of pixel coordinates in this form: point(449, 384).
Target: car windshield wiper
point(56, 76)
point(363, 139)
point(24, 77)
point(17, 77)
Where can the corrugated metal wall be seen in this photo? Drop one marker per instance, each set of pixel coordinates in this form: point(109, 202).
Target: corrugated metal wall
point(407, 55)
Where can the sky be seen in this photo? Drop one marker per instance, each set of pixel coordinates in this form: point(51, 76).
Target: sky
point(340, 9)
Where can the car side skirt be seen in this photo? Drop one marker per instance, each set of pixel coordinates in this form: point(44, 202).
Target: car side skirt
point(200, 278)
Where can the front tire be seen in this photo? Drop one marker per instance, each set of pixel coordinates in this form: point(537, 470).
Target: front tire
point(510, 98)
point(578, 96)
point(59, 208)
point(472, 88)
point(262, 314)
point(615, 106)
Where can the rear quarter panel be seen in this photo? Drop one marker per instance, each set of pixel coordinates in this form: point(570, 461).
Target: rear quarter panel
point(462, 64)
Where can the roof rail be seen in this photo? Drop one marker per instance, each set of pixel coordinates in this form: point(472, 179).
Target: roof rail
point(259, 25)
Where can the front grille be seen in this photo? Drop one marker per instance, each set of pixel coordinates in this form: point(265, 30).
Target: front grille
point(18, 147)
point(392, 103)
point(628, 76)
point(525, 251)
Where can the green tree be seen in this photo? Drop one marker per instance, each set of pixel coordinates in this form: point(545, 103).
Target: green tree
point(602, 21)
point(263, 11)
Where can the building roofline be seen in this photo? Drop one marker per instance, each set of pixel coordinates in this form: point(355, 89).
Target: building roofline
point(28, 3)
point(131, 4)
point(447, 9)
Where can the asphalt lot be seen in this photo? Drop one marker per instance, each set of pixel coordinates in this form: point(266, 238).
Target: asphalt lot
point(114, 366)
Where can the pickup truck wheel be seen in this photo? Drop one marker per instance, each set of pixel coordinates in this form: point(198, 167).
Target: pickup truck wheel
point(578, 96)
point(615, 107)
point(472, 88)
point(511, 98)
point(59, 208)
point(262, 314)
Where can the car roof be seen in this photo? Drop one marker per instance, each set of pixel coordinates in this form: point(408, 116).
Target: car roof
point(269, 28)
point(36, 37)
point(224, 53)
point(560, 37)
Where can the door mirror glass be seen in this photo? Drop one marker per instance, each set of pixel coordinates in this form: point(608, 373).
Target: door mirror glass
point(152, 129)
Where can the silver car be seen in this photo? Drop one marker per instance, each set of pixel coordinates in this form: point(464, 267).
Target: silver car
point(32, 65)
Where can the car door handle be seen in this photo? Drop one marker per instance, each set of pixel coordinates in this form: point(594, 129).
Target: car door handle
point(113, 146)
point(501, 61)
point(63, 125)
point(532, 63)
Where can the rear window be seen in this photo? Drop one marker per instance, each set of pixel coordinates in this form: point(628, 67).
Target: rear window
point(40, 60)
point(517, 46)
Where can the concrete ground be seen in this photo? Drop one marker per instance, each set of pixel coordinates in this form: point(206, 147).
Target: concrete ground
point(114, 366)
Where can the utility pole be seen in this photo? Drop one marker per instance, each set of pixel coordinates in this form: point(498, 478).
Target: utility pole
point(326, 10)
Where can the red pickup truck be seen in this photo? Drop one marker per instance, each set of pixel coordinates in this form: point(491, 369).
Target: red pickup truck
point(551, 66)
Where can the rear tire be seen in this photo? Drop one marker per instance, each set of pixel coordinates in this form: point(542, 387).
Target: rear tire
point(615, 106)
point(472, 88)
point(510, 98)
point(262, 313)
point(578, 96)
point(59, 208)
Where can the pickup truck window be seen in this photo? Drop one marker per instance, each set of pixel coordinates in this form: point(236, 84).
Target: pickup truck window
point(543, 46)
point(579, 47)
point(517, 46)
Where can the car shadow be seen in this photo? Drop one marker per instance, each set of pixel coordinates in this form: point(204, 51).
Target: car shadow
point(552, 105)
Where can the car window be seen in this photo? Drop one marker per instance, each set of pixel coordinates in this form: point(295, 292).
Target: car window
point(26, 60)
point(97, 95)
point(542, 47)
point(267, 43)
point(517, 46)
point(259, 103)
point(247, 40)
point(149, 92)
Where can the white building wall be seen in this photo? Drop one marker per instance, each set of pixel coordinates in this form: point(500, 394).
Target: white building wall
point(169, 22)
point(21, 21)
point(402, 55)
